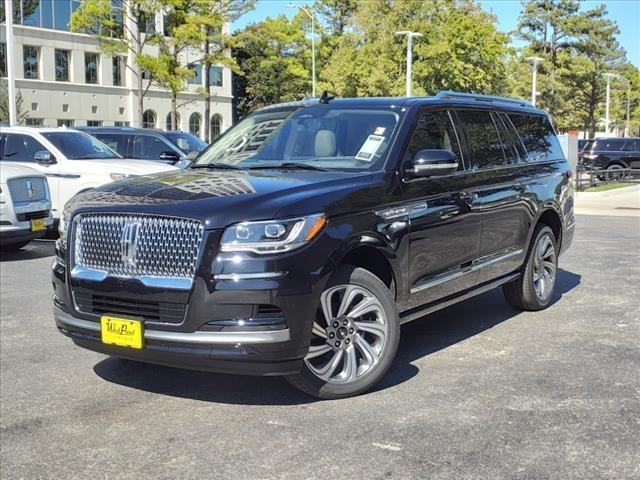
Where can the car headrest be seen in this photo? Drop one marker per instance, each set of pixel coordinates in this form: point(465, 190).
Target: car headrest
point(325, 144)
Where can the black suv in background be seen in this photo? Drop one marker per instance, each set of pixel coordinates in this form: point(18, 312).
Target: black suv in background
point(300, 241)
point(611, 154)
point(147, 144)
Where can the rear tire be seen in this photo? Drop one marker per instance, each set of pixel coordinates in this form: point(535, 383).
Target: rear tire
point(533, 290)
point(354, 338)
point(614, 173)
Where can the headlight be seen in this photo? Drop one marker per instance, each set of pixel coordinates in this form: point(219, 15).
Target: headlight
point(273, 236)
point(120, 176)
point(63, 223)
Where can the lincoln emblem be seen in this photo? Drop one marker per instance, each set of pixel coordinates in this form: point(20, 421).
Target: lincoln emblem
point(129, 242)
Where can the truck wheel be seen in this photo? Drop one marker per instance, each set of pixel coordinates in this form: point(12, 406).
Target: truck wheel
point(354, 337)
point(533, 290)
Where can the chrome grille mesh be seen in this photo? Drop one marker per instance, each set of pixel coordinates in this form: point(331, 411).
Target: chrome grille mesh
point(27, 189)
point(164, 246)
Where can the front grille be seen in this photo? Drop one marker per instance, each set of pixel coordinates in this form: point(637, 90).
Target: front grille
point(129, 245)
point(164, 312)
point(22, 217)
point(27, 189)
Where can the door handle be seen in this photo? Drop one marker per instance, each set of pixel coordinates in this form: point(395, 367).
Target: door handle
point(467, 197)
point(518, 187)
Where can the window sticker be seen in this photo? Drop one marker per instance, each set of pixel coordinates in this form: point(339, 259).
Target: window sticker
point(379, 131)
point(370, 147)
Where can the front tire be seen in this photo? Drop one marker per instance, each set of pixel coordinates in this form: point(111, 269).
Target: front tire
point(533, 290)
point(354, 337)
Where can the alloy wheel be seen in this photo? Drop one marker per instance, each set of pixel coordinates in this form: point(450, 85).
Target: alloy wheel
point(349, 336)
point(544, 267)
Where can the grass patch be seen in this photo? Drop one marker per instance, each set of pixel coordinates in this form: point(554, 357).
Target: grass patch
point(603, 187)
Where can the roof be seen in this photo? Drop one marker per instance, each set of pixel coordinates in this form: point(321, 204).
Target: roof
point(444, 97)
point(21, 129)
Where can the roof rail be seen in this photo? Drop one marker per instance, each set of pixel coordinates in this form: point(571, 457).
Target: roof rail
point(482, 98)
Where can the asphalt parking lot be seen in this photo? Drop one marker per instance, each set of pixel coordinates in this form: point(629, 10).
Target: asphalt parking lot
point(478, 390)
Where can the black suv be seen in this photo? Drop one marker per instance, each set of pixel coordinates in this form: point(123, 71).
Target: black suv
point(300, 241)
point(140, 144)
point(610, 154)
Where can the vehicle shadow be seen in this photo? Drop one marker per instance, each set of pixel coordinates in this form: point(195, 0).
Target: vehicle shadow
point(419, 338)
point(34, 250)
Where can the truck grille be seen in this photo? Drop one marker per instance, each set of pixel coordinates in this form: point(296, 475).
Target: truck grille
point(27, 189)
point(129, 245)
point(165, 312)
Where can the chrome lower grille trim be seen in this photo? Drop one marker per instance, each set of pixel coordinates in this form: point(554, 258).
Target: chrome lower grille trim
point(157, 250)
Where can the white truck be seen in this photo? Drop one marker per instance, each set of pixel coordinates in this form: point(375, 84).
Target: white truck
point(72, 161)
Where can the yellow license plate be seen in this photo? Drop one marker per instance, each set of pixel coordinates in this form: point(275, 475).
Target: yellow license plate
point(122, 332)
point(37, 224)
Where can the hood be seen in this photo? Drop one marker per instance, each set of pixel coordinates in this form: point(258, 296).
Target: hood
point(9, 170)
point(219, 198)
point(116, 165)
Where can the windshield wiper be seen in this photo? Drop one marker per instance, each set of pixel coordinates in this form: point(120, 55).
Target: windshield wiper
point(288, 166)
point(219, 166)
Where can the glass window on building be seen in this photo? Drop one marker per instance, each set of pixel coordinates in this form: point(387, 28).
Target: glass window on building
point(30, 61)
point(216, 126)
point(46, 13)
point(30, 12)
point(62, 65)
point(34, 122)
point(120, 124)
point(149, 119)
point(3, 59)
point(61, 14)
point(146, 75)
point(94, 123)
point(91, 67)
point(194, 124)
point(196, 79)
point(215, 76)
point(169, 121)
point(118, 71)
point(65, 122)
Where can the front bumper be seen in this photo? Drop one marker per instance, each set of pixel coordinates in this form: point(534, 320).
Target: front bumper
point(223, 352)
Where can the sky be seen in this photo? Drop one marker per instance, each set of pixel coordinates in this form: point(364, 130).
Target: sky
point(625, 12)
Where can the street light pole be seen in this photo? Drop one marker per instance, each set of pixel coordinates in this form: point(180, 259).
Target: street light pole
point(534, 77)
point(11, 65)
point(313, 45)
point(410, 36)
point(608, 101)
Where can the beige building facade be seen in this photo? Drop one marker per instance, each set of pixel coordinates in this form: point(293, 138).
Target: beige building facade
point(64, 79)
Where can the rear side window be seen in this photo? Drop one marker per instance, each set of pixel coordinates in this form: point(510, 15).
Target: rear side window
point(609, 145)
point(113, 141)
point(484, 142)
point(631, 146)
point(508, 144)
point(434, 131)
point(148, 147)
point(20, 148)
point(538, 137)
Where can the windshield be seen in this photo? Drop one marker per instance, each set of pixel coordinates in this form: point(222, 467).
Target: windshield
point(318, 136)
point(186, 142)
point(77, 145)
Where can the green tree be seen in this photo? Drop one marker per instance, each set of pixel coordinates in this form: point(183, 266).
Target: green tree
point(460, 49)
point(272, 56)
point(21, 113)
point(128, 33)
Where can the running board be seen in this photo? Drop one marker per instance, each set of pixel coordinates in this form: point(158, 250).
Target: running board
point(419, 312)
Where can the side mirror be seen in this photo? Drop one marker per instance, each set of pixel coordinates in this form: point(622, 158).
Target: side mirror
point(44, 157)
point(170, 156)
point(434, 163)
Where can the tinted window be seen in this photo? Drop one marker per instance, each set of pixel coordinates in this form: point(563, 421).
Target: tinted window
point(515, 139)
point(76, 145)
point(508, 147)
point(484, 141)
point(538, 137)
point(62, 65)
point(90, 67)
point(609, 145)
point(148, 147)
point(114, 141)
point(434, 131)
point(30, 61)
point(20, 148)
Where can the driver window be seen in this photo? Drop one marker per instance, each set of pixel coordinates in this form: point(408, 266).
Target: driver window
point(21, 148)
point(436, 132)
